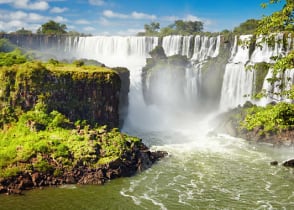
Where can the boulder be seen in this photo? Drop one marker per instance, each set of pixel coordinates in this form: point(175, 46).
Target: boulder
point(289, 163)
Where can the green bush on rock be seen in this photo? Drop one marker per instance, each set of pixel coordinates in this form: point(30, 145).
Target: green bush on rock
point(272, 118)
point(24, 147)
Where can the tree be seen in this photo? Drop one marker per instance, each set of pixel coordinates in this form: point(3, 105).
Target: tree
point(279, 22)
point(52, 27)
point(179, 27)
point(23, 31)
point(248, 27)
point(187, 27)
point(152, 28)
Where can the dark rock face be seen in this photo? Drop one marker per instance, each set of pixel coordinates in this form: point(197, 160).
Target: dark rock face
point(289, 163)
point(35, 41)
point(138, 160)
point(124, 76)
point(87, 95)
point(164, 77)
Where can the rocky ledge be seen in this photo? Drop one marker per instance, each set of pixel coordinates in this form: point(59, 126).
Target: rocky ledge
point(137, 160)
point(275, 128)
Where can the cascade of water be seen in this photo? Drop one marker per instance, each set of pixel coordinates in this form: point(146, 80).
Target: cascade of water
point(237, 81)
point(205, 47)
point(172, 44)
point(233, 87)
point(186, 46)
point(131, 52)
point(237, 86)
point(273, 90)
point(264, 51)
point(193, 78)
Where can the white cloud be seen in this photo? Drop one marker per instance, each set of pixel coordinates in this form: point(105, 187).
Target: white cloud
point(27, 4)
point(205, 21)
point(60, 19)
point(22, 16)
point(58, 10)
point(139, 15)
point(82, 22)
point(192, 18)
point(129, 32)
point(89, 29)
point(111, 14)
point(170, 18)
point(133, 15)
point(10, 26)
point(104, 22)
point(97, 2)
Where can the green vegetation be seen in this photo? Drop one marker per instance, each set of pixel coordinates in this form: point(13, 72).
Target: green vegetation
point(23, 31)
point(247, 27)
point(11, 58)
point(261, 72)
point(34, 136)
point(279, 22)
point(65, 87)
point(179, 27)
point(269, 119)
point(52, 27)
point(50, 142)
point(6, 46)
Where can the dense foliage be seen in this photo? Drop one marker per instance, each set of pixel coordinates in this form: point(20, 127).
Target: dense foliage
point(247, 27)
point(39, 138)
point(179, 27)
point(52, 27)
point(269, 119)
point(11, 58)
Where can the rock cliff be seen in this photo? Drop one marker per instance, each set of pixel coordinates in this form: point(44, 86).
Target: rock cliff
point(80, 93)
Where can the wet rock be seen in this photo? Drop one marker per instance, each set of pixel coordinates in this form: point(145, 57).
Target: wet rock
point(274, 163)
point(137, 160)
point(289, 163)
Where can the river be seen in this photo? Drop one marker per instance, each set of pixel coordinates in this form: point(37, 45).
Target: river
point(218, 172)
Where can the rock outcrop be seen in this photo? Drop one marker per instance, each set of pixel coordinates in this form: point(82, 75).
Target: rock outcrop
point(137, 160)
point(230, 123)
point(80, 93)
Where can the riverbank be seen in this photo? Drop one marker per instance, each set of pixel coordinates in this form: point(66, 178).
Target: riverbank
point(271, 124)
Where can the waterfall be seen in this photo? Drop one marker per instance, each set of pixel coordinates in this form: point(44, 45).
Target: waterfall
point(186, 46)
point(131, 52)
point(273, 90)
point(172, 44)
point(193, 83)
point(264, 51)
point(237, 86)
point(205, 47)
point(238, 83)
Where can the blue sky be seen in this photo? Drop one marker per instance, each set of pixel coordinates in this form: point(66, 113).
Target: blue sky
point(127, 17)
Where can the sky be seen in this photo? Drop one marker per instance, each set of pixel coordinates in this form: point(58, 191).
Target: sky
point(127, 17)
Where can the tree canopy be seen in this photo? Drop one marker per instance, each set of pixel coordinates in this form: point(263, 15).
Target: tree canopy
point(179, 27)
point(52, 27)
point(23, 31)
point(247, 27)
